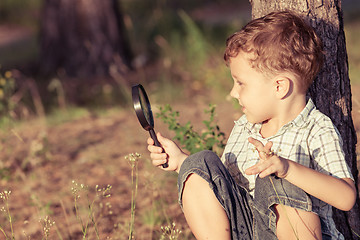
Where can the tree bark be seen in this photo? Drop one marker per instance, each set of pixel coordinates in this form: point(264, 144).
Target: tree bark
point(83, 38)
point(331, 90)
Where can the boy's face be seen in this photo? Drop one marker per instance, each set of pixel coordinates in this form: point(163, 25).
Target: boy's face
point(253, 90)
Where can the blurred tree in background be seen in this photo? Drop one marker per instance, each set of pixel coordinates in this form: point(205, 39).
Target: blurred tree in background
point(83, 38)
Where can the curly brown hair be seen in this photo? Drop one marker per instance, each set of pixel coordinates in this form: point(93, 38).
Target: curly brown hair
point(279, 42)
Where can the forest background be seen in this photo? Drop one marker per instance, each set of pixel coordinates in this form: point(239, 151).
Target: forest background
point(66, 136)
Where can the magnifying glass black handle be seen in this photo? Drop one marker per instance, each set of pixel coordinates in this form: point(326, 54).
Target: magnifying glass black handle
point(153, 136)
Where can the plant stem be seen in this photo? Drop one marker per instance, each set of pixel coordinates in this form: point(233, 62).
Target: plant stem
point(83, 230)
point(3, 232)
point(91, 216)
point(10, 219)
point(134, 188)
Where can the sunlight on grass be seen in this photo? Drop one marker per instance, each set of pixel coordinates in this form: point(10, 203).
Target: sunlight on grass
point(59, 116)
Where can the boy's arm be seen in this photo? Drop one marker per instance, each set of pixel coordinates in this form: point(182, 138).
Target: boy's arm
point(340, 193)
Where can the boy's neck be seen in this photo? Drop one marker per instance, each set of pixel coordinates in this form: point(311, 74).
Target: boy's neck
point(287, 110)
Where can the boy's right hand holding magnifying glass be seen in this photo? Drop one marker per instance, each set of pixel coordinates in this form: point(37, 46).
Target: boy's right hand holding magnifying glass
point(170, 153)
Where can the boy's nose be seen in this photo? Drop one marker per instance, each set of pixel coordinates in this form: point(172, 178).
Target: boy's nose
point(234, 93)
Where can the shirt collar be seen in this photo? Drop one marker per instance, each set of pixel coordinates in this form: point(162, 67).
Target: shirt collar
point(302, 118)
point(251, 127)
point(299, 121)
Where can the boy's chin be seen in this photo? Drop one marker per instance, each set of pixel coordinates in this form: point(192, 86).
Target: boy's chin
point(249, 119)
point(252, 120)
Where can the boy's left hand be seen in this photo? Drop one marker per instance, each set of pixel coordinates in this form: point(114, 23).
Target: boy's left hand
point(269, 163)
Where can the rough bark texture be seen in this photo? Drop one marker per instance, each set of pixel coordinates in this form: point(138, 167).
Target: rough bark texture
point(83, 38)
point(331, 90)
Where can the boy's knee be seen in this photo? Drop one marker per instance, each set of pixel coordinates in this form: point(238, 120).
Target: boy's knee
point(200, 162)
point(198, 167)
point(204, 155)
point(195, 182)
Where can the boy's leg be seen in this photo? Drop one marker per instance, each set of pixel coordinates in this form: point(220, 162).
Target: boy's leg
point(201, 208)
point(208, 195)
point(295, 224)
point(285, 209)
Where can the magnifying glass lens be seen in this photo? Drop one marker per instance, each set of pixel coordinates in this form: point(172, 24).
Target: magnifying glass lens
point(145, 108)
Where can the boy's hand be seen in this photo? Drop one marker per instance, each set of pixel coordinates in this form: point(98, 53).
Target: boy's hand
point(169, 153)
point(269, 163)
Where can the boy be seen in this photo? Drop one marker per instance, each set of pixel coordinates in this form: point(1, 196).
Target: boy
point(283, 165)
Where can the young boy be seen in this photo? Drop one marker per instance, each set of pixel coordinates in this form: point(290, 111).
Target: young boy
point(283, 166)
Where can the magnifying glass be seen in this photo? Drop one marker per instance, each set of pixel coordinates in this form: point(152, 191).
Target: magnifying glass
point(143, 112)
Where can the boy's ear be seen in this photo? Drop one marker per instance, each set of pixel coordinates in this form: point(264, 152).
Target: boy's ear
point(283, 86)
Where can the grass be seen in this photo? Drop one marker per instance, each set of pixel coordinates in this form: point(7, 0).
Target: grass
point(5, 196)
point(59, 116)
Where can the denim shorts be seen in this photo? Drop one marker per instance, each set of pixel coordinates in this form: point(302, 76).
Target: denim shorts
point(249, 217)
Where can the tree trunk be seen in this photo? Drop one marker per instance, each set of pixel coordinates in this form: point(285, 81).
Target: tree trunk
point(331, 90)
point(83, 38)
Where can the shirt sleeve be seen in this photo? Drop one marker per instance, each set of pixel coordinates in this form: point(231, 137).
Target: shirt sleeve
point(326, 150)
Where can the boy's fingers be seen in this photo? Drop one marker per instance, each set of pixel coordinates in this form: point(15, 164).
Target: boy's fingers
point(266, 172)
point(160, 138)
point(155, 149)
point(259, 146)
point(266, 154)
point(264, 168)
point(158, 157)
point(158, 163)
point(264, 151)
point(150, 141)
point(268, 146)
point(165, 142)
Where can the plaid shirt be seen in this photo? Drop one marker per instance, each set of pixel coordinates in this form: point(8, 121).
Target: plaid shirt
point(310, 139)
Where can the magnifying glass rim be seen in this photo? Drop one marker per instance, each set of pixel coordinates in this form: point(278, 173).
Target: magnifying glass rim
point(139, 110)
